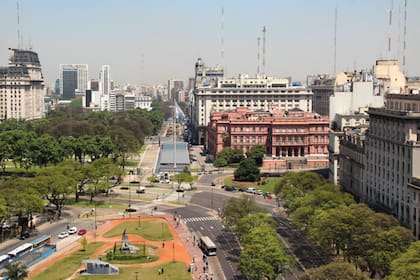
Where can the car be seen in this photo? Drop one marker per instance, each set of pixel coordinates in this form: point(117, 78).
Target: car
point(72, 230)
point(213, 184)
point(141, 190)
point(258, 192)
point(63, 235)
point(81, 231)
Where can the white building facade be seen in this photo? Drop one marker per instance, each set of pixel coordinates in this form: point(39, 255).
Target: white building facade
point(213, 93)
point(22, 89)
point(392, 149)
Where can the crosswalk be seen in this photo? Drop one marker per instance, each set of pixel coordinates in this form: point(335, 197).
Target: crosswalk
point(199, 219)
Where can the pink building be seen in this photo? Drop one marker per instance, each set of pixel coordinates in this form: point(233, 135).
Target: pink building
point(292, 138)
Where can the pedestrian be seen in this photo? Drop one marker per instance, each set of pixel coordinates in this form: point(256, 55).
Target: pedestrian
point(158, 271)
point(163, 271)
point(163, 244)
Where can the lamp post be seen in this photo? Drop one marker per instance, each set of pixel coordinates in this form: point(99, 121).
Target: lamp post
point(212, 197)
point(173, 250)
point(129, 202)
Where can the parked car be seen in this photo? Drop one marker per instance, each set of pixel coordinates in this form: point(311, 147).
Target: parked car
point(72, 230)
point(81, 231)
point(213, 184)
point(259, 192)
point(62, 235)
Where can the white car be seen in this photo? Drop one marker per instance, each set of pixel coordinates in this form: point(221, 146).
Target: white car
point(72, 230)
point(63, 235)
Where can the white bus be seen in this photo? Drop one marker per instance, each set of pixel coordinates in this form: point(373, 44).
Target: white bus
point(4, 259)
point(21, 250)
point(207, 246)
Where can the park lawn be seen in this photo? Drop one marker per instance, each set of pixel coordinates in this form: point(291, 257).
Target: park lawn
point(173, 271)
point(151, 230)
point(269, 185)
point(98, 204)
point(66, 267)
point(136, 197)
point(141, 256)
point(131, 163)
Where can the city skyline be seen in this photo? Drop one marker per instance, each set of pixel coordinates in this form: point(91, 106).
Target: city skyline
point(152, 42)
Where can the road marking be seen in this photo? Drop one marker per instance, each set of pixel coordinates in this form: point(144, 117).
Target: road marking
point(199, 219)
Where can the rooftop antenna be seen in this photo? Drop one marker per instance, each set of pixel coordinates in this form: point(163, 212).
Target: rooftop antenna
point(390, 29)
point(222, 51)
point(258, 55)
point(263, 64)
point(405, 37)
point(18, 24)
point(335, 41)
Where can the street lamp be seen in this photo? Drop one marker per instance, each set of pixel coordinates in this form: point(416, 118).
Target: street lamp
point(173, 250)
point(212, 197)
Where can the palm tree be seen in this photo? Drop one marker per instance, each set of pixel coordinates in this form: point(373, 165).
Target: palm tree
point(15, 271)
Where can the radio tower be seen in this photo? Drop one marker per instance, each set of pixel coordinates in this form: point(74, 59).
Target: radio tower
point(405, 37)
point(263, 63)
point(18, 24)
point(335, 41)
point(258, 55)
point(390, 29)
point(222, 52)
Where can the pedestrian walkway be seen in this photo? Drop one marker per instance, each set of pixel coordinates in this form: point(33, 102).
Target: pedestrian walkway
point(199, 219)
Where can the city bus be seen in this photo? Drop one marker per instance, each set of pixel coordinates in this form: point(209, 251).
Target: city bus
point(207, 246)
point(4, 259)
point(42, 240)
point(21, 250)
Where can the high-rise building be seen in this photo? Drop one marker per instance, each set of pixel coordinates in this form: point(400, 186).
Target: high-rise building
point(73, 77)
point(94, 85)
point(174, 87)
point(392, 149)
point(105, 78)
point(22, 86)
point(214, 93)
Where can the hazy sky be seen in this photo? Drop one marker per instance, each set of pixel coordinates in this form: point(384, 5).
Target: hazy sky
point(152, 41)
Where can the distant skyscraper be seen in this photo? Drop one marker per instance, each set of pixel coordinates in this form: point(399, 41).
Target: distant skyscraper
point(72, 77)
point(22, 86)
point(174, 86)
point(94, 85)
point(57, 87)
point(105, 78)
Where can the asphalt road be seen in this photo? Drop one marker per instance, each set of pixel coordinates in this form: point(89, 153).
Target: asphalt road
point(200, 222)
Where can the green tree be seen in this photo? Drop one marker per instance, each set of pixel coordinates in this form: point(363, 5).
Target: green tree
point(334, 271)
point(15, 271)
point(407, 265)
point(83, 242)
point(295, 184)
point(251, 221)
point(220, 162)
point(54, 186)
point(45, 150)
point(263, 254)
point(389, 245)
point(257, 154)
point(247, 171)
point(237, 208)
point(323, 197)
